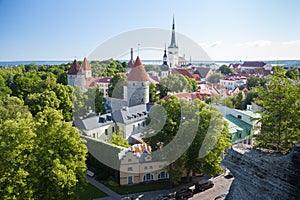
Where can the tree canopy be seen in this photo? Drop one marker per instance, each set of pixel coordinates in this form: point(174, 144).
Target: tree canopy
point(180, 118)
point(280, 99)
point(42, 157)
point(224, 69)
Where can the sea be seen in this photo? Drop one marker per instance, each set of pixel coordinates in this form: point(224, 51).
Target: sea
point(285, 63)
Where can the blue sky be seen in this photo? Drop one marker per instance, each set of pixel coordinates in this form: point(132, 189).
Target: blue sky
point(229, 30)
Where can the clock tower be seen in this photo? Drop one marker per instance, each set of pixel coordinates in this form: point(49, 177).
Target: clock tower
point(137, 85)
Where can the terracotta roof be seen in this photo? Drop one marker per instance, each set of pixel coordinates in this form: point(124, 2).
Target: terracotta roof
point(253, 64)
point(184, 72)
point(104, 79)
point(86, 65)
point(75, 69)
point(138, 72)
point(139, 149)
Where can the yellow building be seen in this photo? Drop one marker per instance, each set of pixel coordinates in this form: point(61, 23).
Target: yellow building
point(137, 166)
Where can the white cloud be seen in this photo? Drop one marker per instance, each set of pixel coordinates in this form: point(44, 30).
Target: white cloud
point(210, 44)
point(292, 42)
point(256, 43)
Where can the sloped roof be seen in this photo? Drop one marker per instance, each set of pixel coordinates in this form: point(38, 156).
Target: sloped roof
point(184, 72)
point(203, 71)
point(75, 69)
point(253, 64)
point(138, 72)
point(86, 65)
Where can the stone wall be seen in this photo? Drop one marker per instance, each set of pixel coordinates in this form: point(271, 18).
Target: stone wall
point(262, 175)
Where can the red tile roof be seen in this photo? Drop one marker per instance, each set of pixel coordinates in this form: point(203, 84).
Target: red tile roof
point(253, 64)
point(138, 72)
point(75, 69)
point(184, 72)
point(86, 65)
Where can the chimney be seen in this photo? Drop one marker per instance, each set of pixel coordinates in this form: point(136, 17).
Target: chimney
point(131, 53)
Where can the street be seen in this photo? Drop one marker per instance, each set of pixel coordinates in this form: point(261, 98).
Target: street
point(221, 186)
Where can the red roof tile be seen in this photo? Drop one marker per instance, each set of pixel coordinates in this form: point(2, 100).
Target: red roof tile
point(75, 69)
point(86, 65)
point(138, 72)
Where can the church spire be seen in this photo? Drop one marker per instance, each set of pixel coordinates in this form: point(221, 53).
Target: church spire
point(173, 43)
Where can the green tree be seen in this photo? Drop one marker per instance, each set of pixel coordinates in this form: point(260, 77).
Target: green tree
point(119, 140)
point(4, 90)
point(224, 69)
point(45, 155)
point(192, 83)
point(99, 102)
point(153, 96)
point(215, 78)
point(250, 97)
point(177, 83)
point(254, 81)
point(280, 99)
point(115, 87)
point(37, 102)
point(293, 74)
point(181, 116)
point(239, 103)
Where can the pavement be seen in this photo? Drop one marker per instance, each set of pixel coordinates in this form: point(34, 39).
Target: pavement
point(221, 186)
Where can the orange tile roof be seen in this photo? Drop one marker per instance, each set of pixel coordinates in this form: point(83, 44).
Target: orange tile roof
point(138, 72)
point(75, 69)
point(86, 65)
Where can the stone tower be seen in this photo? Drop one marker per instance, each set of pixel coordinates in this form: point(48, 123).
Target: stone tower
point(173, 49)
point(76, 76)
point(137, 85)
point(86, 68)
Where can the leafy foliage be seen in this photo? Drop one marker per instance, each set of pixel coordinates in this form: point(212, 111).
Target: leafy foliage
point(115, 87)
point(215, 78)
point(174, 123)
point(224, 69)
point(280, 99)
point(119, 140)
point(45, 155)
point(107, 67)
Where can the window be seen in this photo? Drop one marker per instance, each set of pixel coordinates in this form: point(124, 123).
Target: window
point(129, 169)
point(94, 135)
point(113, 129)
point(106, 132)
point(150, 167)
point(146, 168)
point(129, 160)
point(249, 131)
point(163, 175)
point(148, 177)
point(143, 124)
point(239, 116)
point(133, 84)
point(130, 179)
point(133, 127)
point(239, 135)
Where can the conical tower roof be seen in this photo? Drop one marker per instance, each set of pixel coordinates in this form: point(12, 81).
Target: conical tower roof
point(138, 72)
point(86, 65)
point(75, 69)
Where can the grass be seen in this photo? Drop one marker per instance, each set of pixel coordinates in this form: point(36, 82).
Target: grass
point(144, 187)
point(90, 192)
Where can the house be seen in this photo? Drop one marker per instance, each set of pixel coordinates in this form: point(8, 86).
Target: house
point(231, 82)
point(204, 72)
point(103, 85)
point(242, 124)
point(99, 127)
point(137, 165)
point(255, 65)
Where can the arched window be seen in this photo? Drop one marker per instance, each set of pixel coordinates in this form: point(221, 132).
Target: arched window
point(163, 175)
point(148, 177)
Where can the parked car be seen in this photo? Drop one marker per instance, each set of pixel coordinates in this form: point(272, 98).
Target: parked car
point(200, 187)
point(184, 194)
point(221, 196)
point(229, 175)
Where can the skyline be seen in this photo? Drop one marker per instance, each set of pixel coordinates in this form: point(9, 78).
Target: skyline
point(231, 30)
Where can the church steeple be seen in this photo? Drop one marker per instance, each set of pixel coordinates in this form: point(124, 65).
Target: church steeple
point(173, 42)
point(165, 58)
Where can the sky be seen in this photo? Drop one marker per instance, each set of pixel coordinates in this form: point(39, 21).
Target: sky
point(225, 29)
